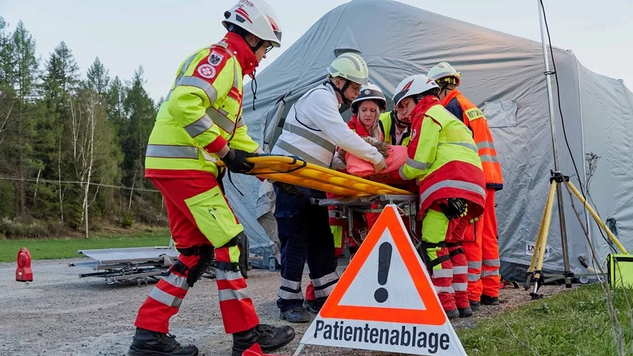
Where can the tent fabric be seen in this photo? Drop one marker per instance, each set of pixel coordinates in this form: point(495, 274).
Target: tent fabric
point(504, 75)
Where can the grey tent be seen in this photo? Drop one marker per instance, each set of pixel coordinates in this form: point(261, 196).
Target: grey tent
point(503, 74)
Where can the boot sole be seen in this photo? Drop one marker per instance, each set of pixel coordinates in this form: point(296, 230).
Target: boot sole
point(283, 317)
point(266, 349)
point(272, 348)
point(153, 353)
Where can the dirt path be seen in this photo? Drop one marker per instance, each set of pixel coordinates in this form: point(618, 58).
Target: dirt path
point(61, 314)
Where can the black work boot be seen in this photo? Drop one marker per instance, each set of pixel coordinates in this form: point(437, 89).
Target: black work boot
point(312, 306)
point(452, 314)
point(486, 300)
point(474, 305)
point(267, 336)
point(465, 312)
point(150, 343)
point(295, 314)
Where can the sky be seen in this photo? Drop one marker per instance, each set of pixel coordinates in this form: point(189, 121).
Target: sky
point(160, 34)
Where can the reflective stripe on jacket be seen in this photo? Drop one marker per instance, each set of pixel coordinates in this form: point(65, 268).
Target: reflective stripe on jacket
point(474, 119)
point(202, 112)
point(443, 158)
point(314, 127)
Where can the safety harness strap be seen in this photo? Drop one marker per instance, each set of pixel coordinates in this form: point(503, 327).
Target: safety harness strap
point(456, 252)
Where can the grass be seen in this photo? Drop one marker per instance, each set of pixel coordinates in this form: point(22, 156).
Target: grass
point(46, 249)
point(572, 323)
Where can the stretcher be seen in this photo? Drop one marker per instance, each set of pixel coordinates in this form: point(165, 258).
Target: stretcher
point(358, 195)
point(134, 264)
point(137, 264)
point(293, 170)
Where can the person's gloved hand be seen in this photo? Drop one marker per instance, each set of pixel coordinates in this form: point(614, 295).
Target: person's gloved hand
point(381, 146)
point(338, 162)
point(235, 161)
point(289, 189)
point(380, 165)
point(454, 208)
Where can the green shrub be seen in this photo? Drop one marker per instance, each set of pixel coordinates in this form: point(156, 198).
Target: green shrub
point(16, 229)
point(127, 219)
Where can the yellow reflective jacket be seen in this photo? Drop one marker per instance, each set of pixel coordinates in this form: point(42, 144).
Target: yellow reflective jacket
point(388, 128)
point(443, 158)
point(202, 112)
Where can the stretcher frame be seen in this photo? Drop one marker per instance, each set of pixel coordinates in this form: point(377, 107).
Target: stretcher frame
point(347, 206)
point(133, 264)
point(296, 171)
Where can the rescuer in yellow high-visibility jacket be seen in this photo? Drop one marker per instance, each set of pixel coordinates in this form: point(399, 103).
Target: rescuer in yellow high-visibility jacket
point(396, 131)
point(198, 124)
point(443, 160)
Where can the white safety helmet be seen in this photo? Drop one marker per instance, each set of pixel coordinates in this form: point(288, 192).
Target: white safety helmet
point(413, 85)
point(445, 73)
point(350, 66)
point(256, 17)
point(370, 92)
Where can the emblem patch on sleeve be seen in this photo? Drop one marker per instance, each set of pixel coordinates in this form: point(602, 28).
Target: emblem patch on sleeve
point(206, 71)
point(215, 58)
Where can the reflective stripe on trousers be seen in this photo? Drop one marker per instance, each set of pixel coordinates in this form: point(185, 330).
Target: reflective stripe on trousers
point(236, 307)
point(290, 289)
point(163, 301)
point(323, 286)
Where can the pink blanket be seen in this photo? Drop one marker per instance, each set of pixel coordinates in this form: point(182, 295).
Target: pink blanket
point(361, 168)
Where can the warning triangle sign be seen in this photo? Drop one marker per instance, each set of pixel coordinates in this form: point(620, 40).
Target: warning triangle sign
point(385, 300)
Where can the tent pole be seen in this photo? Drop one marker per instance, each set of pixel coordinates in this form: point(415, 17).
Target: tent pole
point(559, 194)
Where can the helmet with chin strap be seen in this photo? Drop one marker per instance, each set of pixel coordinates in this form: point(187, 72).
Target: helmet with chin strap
point(352, 68)
point(443, 73)
point(413, 85)
point(370, 92)
point(255, 17)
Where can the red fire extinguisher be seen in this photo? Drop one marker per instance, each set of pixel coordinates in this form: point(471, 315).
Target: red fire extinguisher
point(24, 273)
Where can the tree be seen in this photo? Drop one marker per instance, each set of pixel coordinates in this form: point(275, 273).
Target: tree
point(23, 81)
point(140, 113)
point(90, 138)
point(7, 106)
point(56, 130)
point(7, 57)
point(61, 78)
point(60, 83)
point(98, 78)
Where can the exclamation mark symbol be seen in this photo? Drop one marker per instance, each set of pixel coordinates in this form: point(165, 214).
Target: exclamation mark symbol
point(384, 262)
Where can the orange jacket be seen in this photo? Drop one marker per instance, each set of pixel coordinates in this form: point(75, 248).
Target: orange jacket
point(475, 120)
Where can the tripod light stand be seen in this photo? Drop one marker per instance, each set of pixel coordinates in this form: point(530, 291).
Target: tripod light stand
point(535, 272)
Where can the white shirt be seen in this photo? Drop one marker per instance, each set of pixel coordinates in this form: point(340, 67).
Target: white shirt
point(314, 127)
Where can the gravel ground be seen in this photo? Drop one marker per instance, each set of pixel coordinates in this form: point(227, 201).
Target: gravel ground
point(61, 314)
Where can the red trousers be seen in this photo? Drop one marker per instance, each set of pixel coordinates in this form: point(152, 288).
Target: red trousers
point(450, 276)
point(189, 203)
point(482, 252)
